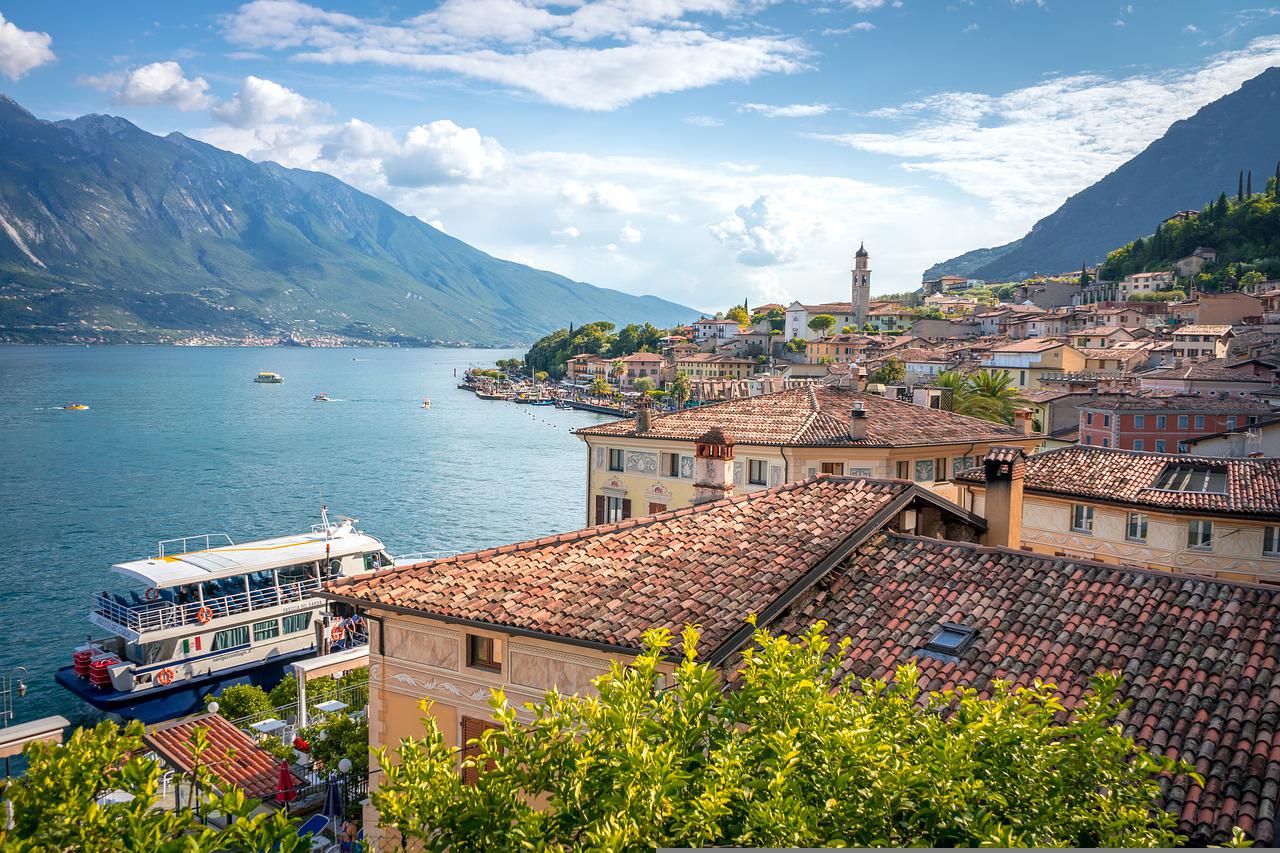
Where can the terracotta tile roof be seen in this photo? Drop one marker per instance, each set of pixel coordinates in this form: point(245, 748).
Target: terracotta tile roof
point(1199, 658)
point(1030, 345)
point(250, 768)
point(1182, 403)
point(1099, 331)
point(1205, 370)
point(712, 565)
point(816, 416)
point(1129, 477)
point(1201, 330)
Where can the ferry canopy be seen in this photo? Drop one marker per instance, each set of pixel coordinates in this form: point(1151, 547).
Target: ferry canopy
point(230, 560)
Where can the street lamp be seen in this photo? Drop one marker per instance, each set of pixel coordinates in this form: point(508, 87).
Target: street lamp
point(15, 681)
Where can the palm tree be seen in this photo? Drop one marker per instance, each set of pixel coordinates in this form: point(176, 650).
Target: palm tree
point(998, 394)
point(987, 395)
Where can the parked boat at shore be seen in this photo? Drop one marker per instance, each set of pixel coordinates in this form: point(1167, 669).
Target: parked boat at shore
point(214, 613)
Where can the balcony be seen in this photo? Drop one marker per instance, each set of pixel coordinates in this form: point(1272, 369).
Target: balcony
point(136, 617)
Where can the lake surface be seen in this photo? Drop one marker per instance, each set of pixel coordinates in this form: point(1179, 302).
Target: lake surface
point(181, 441)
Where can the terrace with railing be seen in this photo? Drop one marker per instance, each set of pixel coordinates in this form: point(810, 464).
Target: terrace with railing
point(140, 615)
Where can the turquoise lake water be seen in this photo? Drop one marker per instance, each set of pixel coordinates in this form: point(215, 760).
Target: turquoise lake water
point(181, 441)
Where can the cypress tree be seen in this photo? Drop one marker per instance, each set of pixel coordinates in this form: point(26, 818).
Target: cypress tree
point(1276, 191)
point(1220, 209)
point(1240, 191)
point(1248, 187)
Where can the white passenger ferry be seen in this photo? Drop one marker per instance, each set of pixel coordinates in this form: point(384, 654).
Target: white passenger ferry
point(205, 613)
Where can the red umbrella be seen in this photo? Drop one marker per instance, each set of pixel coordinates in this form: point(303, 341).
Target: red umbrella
point(285, 792)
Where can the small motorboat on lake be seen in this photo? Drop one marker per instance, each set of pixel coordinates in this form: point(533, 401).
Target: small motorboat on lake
point(266, 377)
point(322, 398)
point(75, 407)
point(426, 402)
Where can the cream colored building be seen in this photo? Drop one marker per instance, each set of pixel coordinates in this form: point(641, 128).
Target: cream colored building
point(1174, 513)
point(636, 469)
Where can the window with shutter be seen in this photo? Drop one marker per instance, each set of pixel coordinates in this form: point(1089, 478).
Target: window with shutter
point(626, 508)
point(599, 457)
point(601, 509)
point(472, 729)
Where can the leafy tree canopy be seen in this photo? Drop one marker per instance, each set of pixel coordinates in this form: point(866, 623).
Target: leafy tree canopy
point(55, 805)
point(891, 372)
point(789, 758)
point(821, 323)
point(1245, 233)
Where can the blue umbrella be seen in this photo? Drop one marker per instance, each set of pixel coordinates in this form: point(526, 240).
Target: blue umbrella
point(335, 803)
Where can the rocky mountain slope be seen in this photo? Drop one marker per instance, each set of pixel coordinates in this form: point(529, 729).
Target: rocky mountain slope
point(1195, 160)
point(105, 227)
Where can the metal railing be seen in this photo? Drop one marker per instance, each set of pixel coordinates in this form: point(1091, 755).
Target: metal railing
point(161, 614)
point(209, 540)
point(422, 557)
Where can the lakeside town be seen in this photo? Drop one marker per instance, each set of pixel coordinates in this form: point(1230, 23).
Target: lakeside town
point(761, 438)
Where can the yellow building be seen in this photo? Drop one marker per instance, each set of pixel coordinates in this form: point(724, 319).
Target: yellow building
point(705, 365)
point(1197, 515)
point(1029, 361)
point(645, 465)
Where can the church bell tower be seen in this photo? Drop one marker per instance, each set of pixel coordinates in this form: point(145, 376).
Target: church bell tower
point(861, 286)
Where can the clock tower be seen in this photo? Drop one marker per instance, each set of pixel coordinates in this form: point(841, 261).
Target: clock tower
point(861, 286)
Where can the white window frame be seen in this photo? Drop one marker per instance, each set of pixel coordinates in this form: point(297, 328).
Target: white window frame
point(1201, 526)
point(622, 459)
point(1082, 518)
point(760, 465)
point(1144, 521)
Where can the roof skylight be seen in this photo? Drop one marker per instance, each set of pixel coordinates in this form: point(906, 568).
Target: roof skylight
point(1177, 477)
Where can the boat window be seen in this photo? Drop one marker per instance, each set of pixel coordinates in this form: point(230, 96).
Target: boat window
point(154, 652)
point(295, 574)
point(230, 638)
point(295, 622)
point(265, 630)
point(265, 579)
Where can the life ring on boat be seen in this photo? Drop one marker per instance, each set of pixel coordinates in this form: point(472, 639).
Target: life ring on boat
point(204, 615)
point(164, 677)
point(337, 633)
point(152, 593)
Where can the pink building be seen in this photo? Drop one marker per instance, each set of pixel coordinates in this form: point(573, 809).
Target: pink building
point(1164, 424)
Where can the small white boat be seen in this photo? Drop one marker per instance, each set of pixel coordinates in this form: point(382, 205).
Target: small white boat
point(426, 403)
point(266, 377)
point(322, 398)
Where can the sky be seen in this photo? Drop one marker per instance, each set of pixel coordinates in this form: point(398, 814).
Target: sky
point(705, 151)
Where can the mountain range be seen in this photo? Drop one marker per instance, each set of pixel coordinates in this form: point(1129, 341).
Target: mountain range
point(1196, 159)
point(113, 233)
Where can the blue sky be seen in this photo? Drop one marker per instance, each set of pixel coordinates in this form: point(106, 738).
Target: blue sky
point(703, 150)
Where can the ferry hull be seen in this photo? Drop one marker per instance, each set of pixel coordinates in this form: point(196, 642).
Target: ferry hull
point(158, 704)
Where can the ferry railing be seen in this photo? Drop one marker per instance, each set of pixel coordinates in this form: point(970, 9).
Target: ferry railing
point(422, 557)
point(161, 614)
point(167, 547)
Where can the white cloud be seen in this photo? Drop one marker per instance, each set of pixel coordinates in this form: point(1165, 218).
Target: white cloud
point(866, 5)
point(703, 121)
point(22, 50)
point(630, 233)
point(859, 27)
point(1026, 150)
point(764, 233)
point(970, 28)
point(648, 47)
point(157, 84)
point(358, 139)
point(788, 110)
point(441, 153)
point(605, 195)
point(262, 102)
point(1191, 28)
point(568, 231)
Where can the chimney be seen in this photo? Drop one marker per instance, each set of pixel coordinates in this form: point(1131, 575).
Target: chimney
point(713, 467)
point(1004, 467)
point(858, 422)
point(1022, 420)
point(642, 415)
